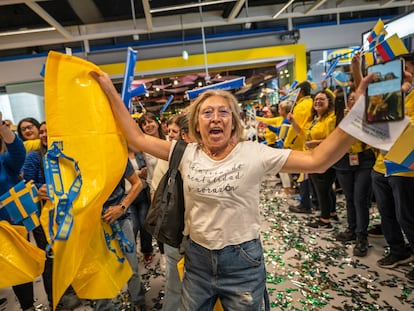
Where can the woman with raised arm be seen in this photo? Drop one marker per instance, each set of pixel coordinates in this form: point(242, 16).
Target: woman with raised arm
point(222, 176)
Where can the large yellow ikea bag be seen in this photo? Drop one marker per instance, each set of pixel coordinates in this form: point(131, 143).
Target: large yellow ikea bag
point(20, 260)
point(92, 160)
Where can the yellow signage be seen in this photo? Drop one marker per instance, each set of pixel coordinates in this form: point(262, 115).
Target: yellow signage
point(344, 55)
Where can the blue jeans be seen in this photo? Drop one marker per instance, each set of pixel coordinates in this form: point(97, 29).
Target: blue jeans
point(172, 279)
point(136, 292)
point(139, 210)
point(357, 187)
point(394, 196)
point(236, 274)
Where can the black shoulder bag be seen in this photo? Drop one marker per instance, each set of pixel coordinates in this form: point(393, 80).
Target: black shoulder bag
point(165, 218)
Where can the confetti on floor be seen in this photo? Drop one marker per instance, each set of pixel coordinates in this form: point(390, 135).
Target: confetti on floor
point(307, 269)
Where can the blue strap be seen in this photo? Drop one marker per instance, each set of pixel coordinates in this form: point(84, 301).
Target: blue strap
point(125, 245)
point(63, 213)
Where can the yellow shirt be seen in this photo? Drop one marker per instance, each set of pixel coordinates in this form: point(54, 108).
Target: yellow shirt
point(358, 146)
point(302, 114)
point(409, 111)
point(319, 129)
point(270, 136)
point(32, 145)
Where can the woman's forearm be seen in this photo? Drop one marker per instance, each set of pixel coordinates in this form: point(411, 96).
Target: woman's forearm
point(328, 152)
point(137, 140)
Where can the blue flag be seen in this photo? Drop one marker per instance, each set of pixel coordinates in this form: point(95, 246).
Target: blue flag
point(331, 68)
point(167, 103)
point(128, 77)
point(226, 85)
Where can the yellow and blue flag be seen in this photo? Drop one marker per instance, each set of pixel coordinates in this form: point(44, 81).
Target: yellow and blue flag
point(251, 112)
point(400, 158)
point(341, 78)
point(377, 34)
point(370, 58)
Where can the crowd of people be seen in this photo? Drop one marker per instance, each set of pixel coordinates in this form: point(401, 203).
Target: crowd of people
point(223, 256)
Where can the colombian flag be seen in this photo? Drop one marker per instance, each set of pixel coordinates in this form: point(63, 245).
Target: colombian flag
point(377, 34)
point(391, 48)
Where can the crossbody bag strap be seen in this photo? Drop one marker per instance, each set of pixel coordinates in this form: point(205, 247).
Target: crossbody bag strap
point(177, 154)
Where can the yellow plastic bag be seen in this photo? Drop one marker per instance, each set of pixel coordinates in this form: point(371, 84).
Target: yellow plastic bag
point(79, 116)
point(20, 260)
point(180, 266)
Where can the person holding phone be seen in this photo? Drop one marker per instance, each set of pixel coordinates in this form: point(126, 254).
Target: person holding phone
point(394, 196)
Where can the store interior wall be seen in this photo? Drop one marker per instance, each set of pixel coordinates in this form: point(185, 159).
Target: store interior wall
point(21, 78)
point(326, 37)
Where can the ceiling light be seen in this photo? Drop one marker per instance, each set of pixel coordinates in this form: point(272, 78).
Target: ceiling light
point(185, 55)
point(26, 31)
point(186, 6)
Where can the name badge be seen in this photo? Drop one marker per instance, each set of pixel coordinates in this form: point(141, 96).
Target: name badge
point(353, 159)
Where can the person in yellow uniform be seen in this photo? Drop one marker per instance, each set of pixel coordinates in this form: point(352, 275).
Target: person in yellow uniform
point(302, 113)
point(270, 117)
point(314, 132)
point(280, 126)
point(395, 196)
point(354, 175)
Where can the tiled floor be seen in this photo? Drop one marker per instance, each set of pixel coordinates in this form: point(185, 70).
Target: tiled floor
point(307, 269)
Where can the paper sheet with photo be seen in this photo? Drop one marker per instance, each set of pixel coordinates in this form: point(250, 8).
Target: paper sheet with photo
point(381, 135)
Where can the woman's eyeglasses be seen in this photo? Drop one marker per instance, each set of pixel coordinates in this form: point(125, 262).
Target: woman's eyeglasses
point(27, 128)
point(210, 113)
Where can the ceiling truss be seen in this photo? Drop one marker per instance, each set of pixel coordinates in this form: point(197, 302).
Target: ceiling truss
point(94, 27)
